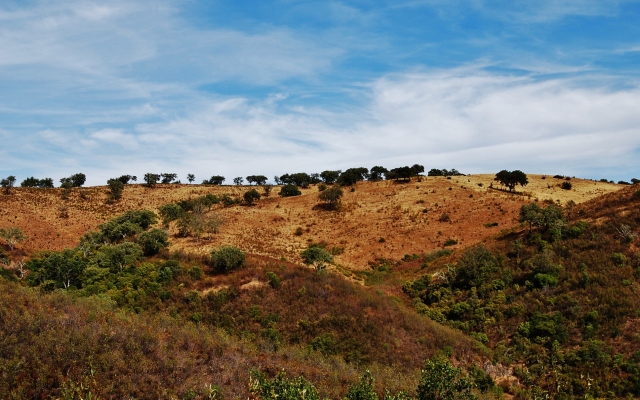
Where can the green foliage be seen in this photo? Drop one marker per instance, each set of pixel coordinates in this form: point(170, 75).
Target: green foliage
point(64, 269)
point(364, 390)
point(214, 180)
point(289, 190)
point(618, 259)
point(329, 177)
point(12, 236)
point(75, 180)
point(441, 380)
point(31, 182)
point(151, 179)
point(116, 187)
point(250, 196)
point(227, 258)
point(566, 185)
point(511, 179)
point(8, 183)
point(257, 179)
point(170, 212)
point(274, 279)
point(281, 387)
point(475, 267)
point(377, 173)
point(450, 242)
point(331, 197)
point(117, 257)
point(153, 241)
point(316, 256)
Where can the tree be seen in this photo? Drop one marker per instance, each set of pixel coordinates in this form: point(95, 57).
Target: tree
point(126, 178)
point(281, 387)
point(153, 241)
point(238, 181)
point(511, 178)
point(213, 223)
point(400, 173)
point(316, 256)
point(64, 268)
point(119, 256)
point(151, 179)
point(191, 178)
point(250, 196)
point(417, 169)
point(289, 190)
point(76, 180)
point(168, 177)
point(12, 236)
point(440, 380)
point(257, 179)
point(8, 183)
point(331, 196)
point(215, 180)
point(169, 212)
point(330, 177)
point(364, 390)
point(377, 173)
point(530, 213)
point(116, 188)
point(227, 258)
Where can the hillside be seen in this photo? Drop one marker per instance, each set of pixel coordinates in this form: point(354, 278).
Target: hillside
point(547, 309)
point(406, 215)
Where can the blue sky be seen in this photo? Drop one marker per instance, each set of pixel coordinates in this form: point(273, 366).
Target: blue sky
point(240, 88)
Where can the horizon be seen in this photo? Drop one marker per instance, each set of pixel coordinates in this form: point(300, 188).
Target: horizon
point(241, 89)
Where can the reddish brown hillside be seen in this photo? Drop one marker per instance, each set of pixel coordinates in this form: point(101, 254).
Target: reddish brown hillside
point(381, 219)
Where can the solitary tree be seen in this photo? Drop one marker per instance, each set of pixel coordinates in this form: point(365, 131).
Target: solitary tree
point(316, 256)
point(215, 180)
point(511, 178)
point(227, 258)
point(191, 178)
point(238, 181)
point(8, 183)
point(76, 180)
point(289, 190)
point(441, 380)
point(331, 197)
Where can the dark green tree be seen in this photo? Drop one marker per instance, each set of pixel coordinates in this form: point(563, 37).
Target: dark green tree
point(170, 212)
point(116, 187)
point(151, 179)
point(257, 179)
point(227, 258)
point(377, 173)
point(153, 241)
point(417, 169)
point(191, 178)
point(330, 177)
point(215, 180)
point(64, 268)
point(250, 196)
point(76, 180)
point(511, 178)
point(400, 173)
point(168, 177)
point(331, 197)
point(289, 190)
point(238, 181)
point(8, 183)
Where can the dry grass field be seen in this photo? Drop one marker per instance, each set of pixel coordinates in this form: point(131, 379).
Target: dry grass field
point(378, 219)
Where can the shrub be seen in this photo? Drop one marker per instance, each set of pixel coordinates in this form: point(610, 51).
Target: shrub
point(227, 258)
point(566, 185)
point(316, 256)
point(331, 197)
point(444, 218)
point(250, 196)
point(322, 187)
point(274, 279)
point(450, 242)
point(289, 190)
point(618, 259)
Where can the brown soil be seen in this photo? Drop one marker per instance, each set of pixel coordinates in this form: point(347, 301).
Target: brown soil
point(385, 210)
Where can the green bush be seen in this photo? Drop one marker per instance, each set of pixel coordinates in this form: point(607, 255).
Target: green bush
point(274, 279)
point(227, 258)
point(289, 190)
point(618, 259)
point(316, 256)
point(281, 387)
point(153, 241)
point(441, 380)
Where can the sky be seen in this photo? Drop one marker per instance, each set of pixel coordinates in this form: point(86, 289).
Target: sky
point(237, 88)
